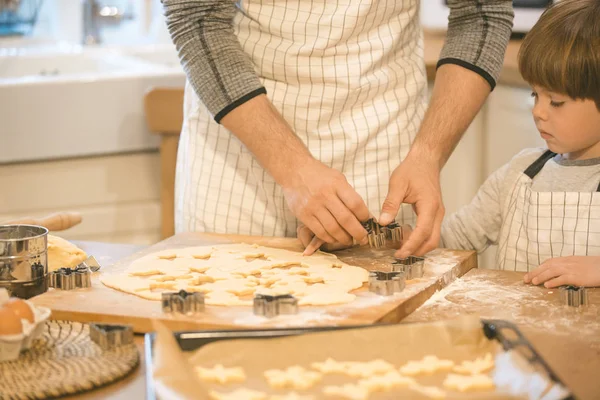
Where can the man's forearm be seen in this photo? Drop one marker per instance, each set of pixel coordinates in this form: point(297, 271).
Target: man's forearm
point(259, 125)
point(458, 95)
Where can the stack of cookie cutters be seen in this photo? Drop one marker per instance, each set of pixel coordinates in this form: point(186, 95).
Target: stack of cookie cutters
point(271, 306)
point(574, 296)
point(182, 302)
point(379, 235)
point(74, 278)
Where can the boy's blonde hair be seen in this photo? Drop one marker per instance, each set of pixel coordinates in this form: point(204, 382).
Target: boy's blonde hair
point(561, 53)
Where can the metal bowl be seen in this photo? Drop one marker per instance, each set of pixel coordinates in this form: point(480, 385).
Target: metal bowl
point(23, 260)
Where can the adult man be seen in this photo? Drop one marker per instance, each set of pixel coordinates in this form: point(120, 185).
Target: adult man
point(315, 110)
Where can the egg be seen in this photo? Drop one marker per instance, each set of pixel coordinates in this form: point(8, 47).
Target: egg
point(10, 323)
point(21, 309)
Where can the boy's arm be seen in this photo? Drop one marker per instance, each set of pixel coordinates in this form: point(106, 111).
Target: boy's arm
point(477, 225)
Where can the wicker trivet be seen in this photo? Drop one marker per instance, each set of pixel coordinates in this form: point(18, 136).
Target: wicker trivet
point(64, 361)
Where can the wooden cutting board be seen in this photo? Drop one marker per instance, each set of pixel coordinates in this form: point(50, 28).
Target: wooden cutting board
point(567, 338)
point(102, 304)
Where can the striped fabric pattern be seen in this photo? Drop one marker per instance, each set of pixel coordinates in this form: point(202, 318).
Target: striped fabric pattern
point(350, 79)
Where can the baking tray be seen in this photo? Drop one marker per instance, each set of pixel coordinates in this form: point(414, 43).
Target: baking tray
point(506, 333)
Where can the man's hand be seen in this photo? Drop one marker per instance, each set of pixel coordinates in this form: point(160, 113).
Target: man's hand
point(571, 270)
point(323, 200)
point(312, 243)
point(416, 181)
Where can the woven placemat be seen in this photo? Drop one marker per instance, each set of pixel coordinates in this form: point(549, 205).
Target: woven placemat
point(64, 361)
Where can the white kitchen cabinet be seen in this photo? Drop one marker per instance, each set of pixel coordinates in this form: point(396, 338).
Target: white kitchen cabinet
point(117, 195)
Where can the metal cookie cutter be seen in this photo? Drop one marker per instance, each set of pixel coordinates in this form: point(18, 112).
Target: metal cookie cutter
point(574, 296)
point(108, 336)
point(412, 266)
point(386, 283)
point(70, 278)
point(74, 278)
point(380, 235)
point(90, 263)
point(183, 302)
point(271, 306)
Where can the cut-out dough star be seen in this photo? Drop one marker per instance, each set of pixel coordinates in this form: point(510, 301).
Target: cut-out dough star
point(329, 366)
point(220, 374)
point(294, 377)
point(466, 383)
point(428, 365)
point(366, 369)
point(481, 364)
point(388, 381)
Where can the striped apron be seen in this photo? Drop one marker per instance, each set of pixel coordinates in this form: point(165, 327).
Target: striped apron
point(347, 75)
point(542, 225)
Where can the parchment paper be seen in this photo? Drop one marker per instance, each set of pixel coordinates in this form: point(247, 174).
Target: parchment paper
point(459, 339)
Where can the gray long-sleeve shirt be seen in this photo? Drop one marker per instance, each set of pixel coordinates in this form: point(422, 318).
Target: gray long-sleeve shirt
point(223, 76)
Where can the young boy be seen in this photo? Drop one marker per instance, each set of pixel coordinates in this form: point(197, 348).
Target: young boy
point(543, 207)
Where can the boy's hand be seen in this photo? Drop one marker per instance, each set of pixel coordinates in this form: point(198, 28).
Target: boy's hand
point(572, 270)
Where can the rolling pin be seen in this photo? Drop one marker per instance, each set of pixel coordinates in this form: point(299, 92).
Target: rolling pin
point(54, 222)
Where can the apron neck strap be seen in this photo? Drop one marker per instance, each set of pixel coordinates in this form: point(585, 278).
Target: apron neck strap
point(538, 164)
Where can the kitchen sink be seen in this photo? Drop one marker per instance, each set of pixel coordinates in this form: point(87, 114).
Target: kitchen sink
point(28, 67)
point(79, 102)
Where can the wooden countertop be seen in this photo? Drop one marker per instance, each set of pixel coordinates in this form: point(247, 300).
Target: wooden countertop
point(510, 72)
point(571, 350)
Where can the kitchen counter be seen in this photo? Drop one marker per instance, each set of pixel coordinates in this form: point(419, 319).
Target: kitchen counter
point(510, 72)
point(575, 358)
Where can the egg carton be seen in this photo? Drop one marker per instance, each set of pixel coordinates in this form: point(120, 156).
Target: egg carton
point(12, 345)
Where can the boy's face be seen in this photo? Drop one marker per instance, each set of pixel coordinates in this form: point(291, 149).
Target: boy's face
point(569, 127)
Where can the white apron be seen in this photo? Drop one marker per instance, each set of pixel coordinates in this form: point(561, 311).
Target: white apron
point(347, 75)
point(542, 225)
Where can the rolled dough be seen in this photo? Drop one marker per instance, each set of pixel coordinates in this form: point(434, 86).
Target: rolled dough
point(63, 254)
point(231, 274)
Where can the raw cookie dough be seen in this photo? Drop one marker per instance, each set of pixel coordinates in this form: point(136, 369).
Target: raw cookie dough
point(348, 391)
point(467, 383)
point(239, 394)
point(231, 274)
point(481, 364)
point(366, 369)
point(391, 379)
point(330, 366)
point(433, 392)
point(290, 396)
point(353, 368)
point(294, 377)
point(63, 254)
point(220, 374)
point(428, 365)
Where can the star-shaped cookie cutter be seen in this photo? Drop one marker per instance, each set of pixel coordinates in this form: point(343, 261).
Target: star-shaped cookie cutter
point(412, 266)
point(74, 278)
point(379, 235)
point(182, 302)
point(271, 306)
point(387, 283)
point(574, 296)
point(108, 336)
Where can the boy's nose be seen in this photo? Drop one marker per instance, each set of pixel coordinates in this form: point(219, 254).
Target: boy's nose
point(538, 112)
